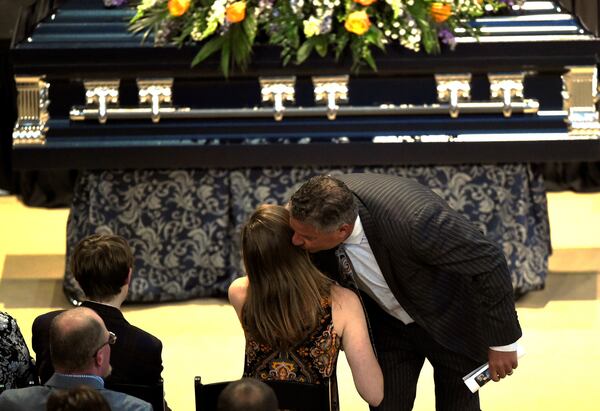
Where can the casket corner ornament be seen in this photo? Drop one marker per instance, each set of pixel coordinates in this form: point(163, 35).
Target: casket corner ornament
point(32, 104)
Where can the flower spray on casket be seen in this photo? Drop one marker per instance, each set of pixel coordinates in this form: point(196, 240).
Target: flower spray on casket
point(301, 28)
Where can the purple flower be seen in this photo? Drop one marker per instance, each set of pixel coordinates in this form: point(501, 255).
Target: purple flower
point(447, 37)
point(114, 3)
point(265, 5)
point(326, 24)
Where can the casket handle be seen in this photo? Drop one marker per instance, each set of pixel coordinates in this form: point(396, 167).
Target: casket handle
point(156, 92)
point(331, 90)
point(453, 88)
point(508, 88)
point(101, 93)
point(277, 90)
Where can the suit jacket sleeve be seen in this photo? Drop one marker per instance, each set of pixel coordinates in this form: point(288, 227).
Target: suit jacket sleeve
point(444, 239)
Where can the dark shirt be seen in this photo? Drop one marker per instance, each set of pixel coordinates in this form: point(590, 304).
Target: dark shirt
point(135, 357)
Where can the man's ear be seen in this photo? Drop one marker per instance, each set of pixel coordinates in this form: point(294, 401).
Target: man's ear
point(345, 230)
point(99, 358)
point(128, 280)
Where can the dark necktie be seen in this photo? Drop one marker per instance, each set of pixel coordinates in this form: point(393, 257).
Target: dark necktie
point(347, 279)
point(347, 272)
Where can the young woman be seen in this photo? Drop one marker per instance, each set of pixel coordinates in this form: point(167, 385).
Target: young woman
point(294, 317)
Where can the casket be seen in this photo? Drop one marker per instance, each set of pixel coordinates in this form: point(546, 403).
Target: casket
point(159, 140)
point(525, 91)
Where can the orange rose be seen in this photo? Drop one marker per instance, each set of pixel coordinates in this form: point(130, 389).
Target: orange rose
point(357, 22)
point(440, 11)
point(178, 7)
point(236, 12)
point(365, 2)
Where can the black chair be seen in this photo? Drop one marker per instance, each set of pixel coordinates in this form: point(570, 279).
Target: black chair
point(154, 394)
point(291, 395)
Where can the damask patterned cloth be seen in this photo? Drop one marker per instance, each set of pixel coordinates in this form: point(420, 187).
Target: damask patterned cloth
point(16, 366)
point(310, 361)
point(184, 225)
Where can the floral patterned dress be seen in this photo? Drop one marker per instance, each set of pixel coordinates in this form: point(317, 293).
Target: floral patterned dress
point(16, 367)
point(310, 361)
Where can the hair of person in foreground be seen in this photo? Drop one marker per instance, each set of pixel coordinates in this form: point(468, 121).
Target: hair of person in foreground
point(247, 394)
point(81, 398)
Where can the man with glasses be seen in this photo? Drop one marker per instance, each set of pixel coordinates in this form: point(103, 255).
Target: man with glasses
point(80, 348)
point(102, 265)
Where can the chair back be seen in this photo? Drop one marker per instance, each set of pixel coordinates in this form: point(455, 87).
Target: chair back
point(291, 395)
point(207, 395)
point(154, 393)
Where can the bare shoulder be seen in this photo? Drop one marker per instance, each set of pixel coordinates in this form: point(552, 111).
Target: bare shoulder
point(237, 291)
point(343, 298)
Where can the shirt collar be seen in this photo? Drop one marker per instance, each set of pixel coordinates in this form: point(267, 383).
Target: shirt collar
point(77, 378)
point(357, 233)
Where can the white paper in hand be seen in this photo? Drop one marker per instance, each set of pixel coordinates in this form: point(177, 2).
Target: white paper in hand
point(481, 375)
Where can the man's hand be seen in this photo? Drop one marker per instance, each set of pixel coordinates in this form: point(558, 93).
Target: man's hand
point(502, 363)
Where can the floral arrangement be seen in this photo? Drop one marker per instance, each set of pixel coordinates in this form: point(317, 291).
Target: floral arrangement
point(300, 28)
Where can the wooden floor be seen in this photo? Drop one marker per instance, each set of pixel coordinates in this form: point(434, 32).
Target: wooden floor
point(202, 337)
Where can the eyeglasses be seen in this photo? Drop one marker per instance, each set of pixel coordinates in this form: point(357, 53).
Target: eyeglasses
point(112, 338)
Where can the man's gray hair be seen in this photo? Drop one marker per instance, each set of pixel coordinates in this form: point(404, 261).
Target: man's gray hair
point(325, 203)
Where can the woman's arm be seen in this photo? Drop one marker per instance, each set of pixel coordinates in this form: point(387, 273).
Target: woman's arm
point(349, 321)
point(237, 294)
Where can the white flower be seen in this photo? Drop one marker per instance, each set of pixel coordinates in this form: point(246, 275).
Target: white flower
point(396, 6)
point(215, 18)
point(146, 4)
point(312, 26)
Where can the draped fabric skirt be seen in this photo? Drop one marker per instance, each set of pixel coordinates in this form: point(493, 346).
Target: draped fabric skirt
point(184, 225)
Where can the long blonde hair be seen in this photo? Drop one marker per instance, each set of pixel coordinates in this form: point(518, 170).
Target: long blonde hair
point(285, 291)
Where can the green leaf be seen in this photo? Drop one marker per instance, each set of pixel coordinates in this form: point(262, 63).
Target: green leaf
point(342, 41)
point(208, 49)
point(321, 45)
point(250, 27)
point(304, 51)
point(241, 46)
point(225, 57)
point(429, 37)
point(368, 57)
point(375, 36)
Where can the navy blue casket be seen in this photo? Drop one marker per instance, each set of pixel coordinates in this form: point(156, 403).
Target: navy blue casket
point(175, 158)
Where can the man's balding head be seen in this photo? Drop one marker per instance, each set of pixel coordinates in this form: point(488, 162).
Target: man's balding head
point(75, 338)
point(247, 394)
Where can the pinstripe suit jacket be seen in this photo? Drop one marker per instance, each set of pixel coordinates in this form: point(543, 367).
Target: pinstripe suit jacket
point(450, 279)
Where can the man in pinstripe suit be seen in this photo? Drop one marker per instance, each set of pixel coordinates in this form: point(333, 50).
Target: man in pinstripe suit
point(434, 287)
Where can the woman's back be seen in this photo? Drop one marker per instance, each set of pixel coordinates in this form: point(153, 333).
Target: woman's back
point(314, 358)
point(311, 360)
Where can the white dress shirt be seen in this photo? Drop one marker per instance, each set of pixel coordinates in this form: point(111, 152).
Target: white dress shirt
point(369, 277)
